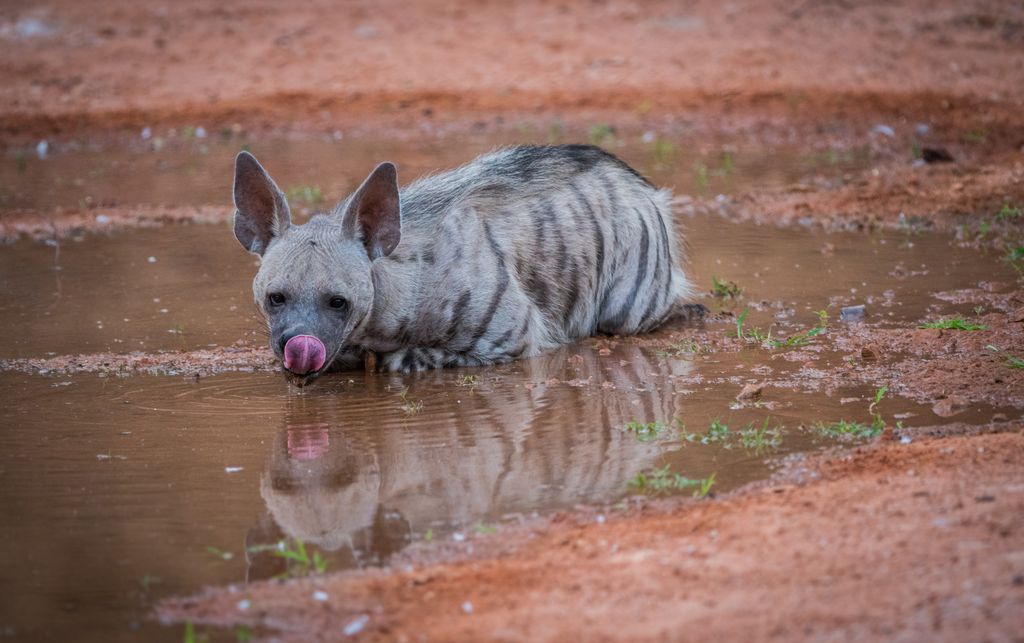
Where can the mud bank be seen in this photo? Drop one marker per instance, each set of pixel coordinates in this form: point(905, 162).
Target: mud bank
point(946, 197)
point(76, 67)
point(937, 524)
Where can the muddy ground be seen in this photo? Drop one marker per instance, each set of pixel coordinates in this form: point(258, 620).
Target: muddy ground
point(918, 535)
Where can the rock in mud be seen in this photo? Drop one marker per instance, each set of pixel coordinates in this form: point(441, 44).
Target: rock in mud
point(750, 392)
point(852, 314)
point(949, 406)
point(870, 353)
point(936, 155)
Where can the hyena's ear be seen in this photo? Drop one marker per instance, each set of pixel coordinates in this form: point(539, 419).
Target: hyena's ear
point(373, 214)
point(261, 211)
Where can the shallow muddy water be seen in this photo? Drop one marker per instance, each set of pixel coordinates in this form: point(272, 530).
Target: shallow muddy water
point(117, 491)
point(316, 171)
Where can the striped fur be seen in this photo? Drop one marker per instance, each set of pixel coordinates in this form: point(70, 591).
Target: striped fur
point(515, 253)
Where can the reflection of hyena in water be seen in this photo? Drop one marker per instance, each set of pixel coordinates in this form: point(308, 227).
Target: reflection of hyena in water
point(345, 481)
point(518, 252)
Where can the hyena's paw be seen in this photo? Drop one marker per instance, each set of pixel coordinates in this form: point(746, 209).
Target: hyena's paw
point(414, 360)
point(686, 312)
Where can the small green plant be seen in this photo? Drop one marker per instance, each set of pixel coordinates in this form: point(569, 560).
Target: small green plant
point(299, 562)
point(844, 430)
point(149, 580)
point(799, 339)
point(600, 134)
point(976, 136)
point(700, 177)
point(429, 536)
point(979, 310)
point(983, 227)
point(705, 486)
point(308, 194)
point(717, 432)
point(1015, 257)
point(190, 632)
point(411, 407)
point(681, 348)
point(877, 423)
point(1008, 212)
point(220, 553)
point(662, 151)
point(645, 431)
point(483, 529)
point(953, 323)
point(469, 381)
point(663, 480)
point(725, 289)
point(1010, 360)
point(740, 319)
point(760, 438)
point(243, 634)
point(727, 163)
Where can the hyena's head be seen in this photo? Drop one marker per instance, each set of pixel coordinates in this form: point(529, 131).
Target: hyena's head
point(314, 284)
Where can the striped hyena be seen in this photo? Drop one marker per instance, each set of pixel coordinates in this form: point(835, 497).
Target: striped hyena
point(517, 252)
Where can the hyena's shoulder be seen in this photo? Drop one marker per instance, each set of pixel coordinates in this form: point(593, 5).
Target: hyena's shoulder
point(511, 175)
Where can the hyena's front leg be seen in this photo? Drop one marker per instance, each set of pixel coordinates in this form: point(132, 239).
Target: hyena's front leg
point(412, 360)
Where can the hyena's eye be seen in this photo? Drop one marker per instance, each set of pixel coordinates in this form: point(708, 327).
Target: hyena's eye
point(338, 303)
point(275, 299)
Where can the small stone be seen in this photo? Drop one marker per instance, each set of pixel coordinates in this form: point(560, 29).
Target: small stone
point(949, 406)
point(751, 392)
point(936, 155)
point(356, 626)
point(467, 608)
point(852, 314)
point(870, 353)
point(884, 130)
point(320, 595)
point(244, 604)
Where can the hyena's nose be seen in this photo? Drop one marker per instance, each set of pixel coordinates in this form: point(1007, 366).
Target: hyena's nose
point(304, 354)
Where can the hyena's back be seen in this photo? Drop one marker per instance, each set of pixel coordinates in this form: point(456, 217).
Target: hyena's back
point(529, 248)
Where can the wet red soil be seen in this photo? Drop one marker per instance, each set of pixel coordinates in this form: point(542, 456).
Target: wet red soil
point(919, 541)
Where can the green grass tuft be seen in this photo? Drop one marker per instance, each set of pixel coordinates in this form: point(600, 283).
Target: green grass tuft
point(725, 289)
point(954, 323)
point(842, 429)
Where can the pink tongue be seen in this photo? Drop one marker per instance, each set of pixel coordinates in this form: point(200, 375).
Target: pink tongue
point(304, 354)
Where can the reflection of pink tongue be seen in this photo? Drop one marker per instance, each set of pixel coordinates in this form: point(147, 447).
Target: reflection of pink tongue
point(304, 354)
point(308, 441)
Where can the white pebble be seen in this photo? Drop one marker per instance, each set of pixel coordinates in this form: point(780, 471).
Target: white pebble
point(356, 626)
point(457, 537)
point(147, 133)
point(467, 607)
point(232, 469)
point(102, 219)
point(151, 260)
point(244, 604)
point(319, 595)
point(42, 149)
point(200, 132)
